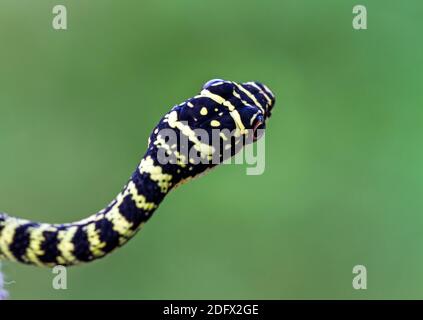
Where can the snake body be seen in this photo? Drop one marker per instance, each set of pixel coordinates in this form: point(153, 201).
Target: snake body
point(241, 108)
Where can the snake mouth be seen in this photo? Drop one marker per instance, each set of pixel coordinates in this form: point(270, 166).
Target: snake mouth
point(258, 129)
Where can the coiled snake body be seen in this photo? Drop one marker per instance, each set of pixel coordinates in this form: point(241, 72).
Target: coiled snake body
point(240, 108)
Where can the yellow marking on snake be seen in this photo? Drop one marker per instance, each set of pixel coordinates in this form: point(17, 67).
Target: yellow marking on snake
point(264, 94)
point(203, 111)
point(65, 245)
point(253, 118)
point(232, 111)
point(156, 173)
point(140, 200)
point(7, 238)
point(266, 88)
point(214, 123)
point(119, 222)
point(236, 95)
point(250, 95)
point(94, 240)
point(237, 118)
point(216, 98)
point(36, 239)
point(205, 149)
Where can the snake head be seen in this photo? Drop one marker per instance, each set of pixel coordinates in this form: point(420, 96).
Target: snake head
point(242, 109)
point(253, 94)
point(216, 124)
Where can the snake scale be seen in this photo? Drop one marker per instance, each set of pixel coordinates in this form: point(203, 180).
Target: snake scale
point(242, 108)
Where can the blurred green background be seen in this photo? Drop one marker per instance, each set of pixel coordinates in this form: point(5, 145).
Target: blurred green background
point(343, 180)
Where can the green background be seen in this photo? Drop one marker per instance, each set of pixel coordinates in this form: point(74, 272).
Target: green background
point(343, 177)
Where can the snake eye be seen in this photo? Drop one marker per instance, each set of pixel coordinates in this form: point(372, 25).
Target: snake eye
point(212, 82)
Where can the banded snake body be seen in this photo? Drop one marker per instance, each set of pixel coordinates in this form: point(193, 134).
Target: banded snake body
point(239, 107)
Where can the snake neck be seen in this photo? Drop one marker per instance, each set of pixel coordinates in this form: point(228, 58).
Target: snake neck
point(48, 245)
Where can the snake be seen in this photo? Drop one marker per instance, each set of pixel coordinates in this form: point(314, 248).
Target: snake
point(237, 111)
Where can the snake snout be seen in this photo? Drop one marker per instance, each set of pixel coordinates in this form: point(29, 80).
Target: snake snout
point(264, 95)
